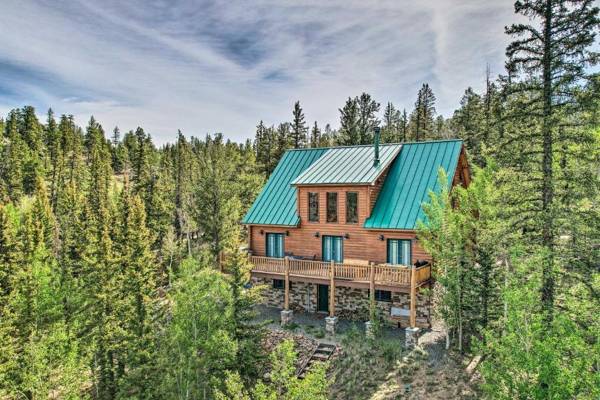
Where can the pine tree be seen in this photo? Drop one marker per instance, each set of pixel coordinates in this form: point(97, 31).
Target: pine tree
point(10, 248)
point(551, 59)
point(315, 136)
point(367, 118)
point(391, 124)
point(440, 128)
point(422, 117)
point(54, 143)
point(247, 332)
point(467, 121)
point(99, 274)
point(120, 158)
point(403, 128)
point(265, 147)
point(137, 288)
point(15, 151)
point(299, 129)
point(282, 142)
point(327, 138)
point(183, 188)
point(217, 206)
point(73, 152)
point(349, 123)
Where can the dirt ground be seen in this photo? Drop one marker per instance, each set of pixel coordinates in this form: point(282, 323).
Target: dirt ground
point(382, 369)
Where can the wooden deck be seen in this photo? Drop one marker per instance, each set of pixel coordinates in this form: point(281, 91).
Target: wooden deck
point(372, 276)
point(380, 274)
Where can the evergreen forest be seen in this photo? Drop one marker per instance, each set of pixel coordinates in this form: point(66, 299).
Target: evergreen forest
point(111, 284)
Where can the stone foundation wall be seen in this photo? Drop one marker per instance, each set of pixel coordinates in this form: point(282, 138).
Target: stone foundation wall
point(350, 303)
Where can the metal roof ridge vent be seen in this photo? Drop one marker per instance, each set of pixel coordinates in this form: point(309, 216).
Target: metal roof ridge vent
point(376, 160)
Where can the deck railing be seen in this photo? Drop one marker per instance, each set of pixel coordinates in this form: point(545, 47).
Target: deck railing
point(383, 274)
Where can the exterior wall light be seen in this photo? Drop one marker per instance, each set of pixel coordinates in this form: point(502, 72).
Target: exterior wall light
point(347, 236)
point(316, 234)
point(287, 233)
point(262, 232)
point(381, 237)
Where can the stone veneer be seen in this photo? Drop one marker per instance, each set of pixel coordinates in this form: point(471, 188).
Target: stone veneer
point(350, 303)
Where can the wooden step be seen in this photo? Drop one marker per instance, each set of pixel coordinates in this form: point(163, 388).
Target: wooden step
point(322, 353)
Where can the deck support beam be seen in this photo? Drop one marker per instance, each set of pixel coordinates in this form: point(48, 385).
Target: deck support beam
point(286, 301)
point(372, 285)
point(413, 297)
point(332, 288)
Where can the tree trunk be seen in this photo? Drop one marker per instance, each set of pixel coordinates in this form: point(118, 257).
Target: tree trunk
point(547, 179)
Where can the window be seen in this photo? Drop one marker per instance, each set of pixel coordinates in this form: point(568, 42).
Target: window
point(383, 295)
point(280, 284)
point(332, 207)
point(399, 251)
point(275, 245)
point(333, 248)
point(351, 207)
point(313, 207)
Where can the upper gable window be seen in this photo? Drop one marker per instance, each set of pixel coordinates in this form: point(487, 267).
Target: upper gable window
point(313, 207)
point(332, 215)
point(351, 207)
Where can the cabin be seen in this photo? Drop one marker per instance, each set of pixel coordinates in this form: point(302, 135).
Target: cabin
point(333, 231)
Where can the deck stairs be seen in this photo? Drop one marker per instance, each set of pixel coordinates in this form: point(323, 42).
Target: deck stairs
point(322, 353)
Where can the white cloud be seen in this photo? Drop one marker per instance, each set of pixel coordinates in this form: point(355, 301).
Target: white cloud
point(205, 67)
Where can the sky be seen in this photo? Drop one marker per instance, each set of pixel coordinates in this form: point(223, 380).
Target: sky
point(222, 66)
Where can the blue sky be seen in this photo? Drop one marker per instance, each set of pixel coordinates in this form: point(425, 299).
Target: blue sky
point(205, 67)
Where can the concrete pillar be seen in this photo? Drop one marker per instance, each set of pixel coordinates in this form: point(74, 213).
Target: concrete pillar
point(330, 324)
point(287, 317)
point(411, 336)
point(369, 330)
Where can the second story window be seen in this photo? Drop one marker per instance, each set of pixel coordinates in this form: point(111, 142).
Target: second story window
point(332, 207)
point(313, 207)
point(351, 207)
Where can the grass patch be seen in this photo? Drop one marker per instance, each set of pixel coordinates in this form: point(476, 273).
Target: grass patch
point(292, 326)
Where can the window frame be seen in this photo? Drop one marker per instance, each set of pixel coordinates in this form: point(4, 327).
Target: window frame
point(378, 295)
point(410, 250)
point(327, 210)
point(280, 286)
point(316, 195)
point(386, 298)
point(333, 240)
point(355, 208)
point(267, 244)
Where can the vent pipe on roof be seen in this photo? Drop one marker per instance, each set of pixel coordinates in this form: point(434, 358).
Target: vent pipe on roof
point(376, 160)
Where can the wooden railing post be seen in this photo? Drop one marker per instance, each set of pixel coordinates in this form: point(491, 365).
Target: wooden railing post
point(332, 288)
point(286, 301)
point(372, 285)
point(413, 297)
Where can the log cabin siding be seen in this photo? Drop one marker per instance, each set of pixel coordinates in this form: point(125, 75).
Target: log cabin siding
point(361, 245)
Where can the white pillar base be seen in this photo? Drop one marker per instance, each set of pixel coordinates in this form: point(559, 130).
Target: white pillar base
point(369, 330)
point(411, 337)
point(287, 317)
point(330, 324)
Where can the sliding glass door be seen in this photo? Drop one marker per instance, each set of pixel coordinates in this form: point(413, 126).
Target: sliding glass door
point(333, 248)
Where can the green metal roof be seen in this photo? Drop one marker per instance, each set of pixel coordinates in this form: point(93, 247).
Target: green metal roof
point(411, 176)
point(276, 203)
point(351, 165)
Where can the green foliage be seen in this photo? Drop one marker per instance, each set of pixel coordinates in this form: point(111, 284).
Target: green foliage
point(283, 382)
point(299, 130)
point(422, 118)
point(199, 343)
point(529, 361)
point(460, 233)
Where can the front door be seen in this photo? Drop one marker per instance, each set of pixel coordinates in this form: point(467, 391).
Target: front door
point(323, 298)
point(333, 248)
